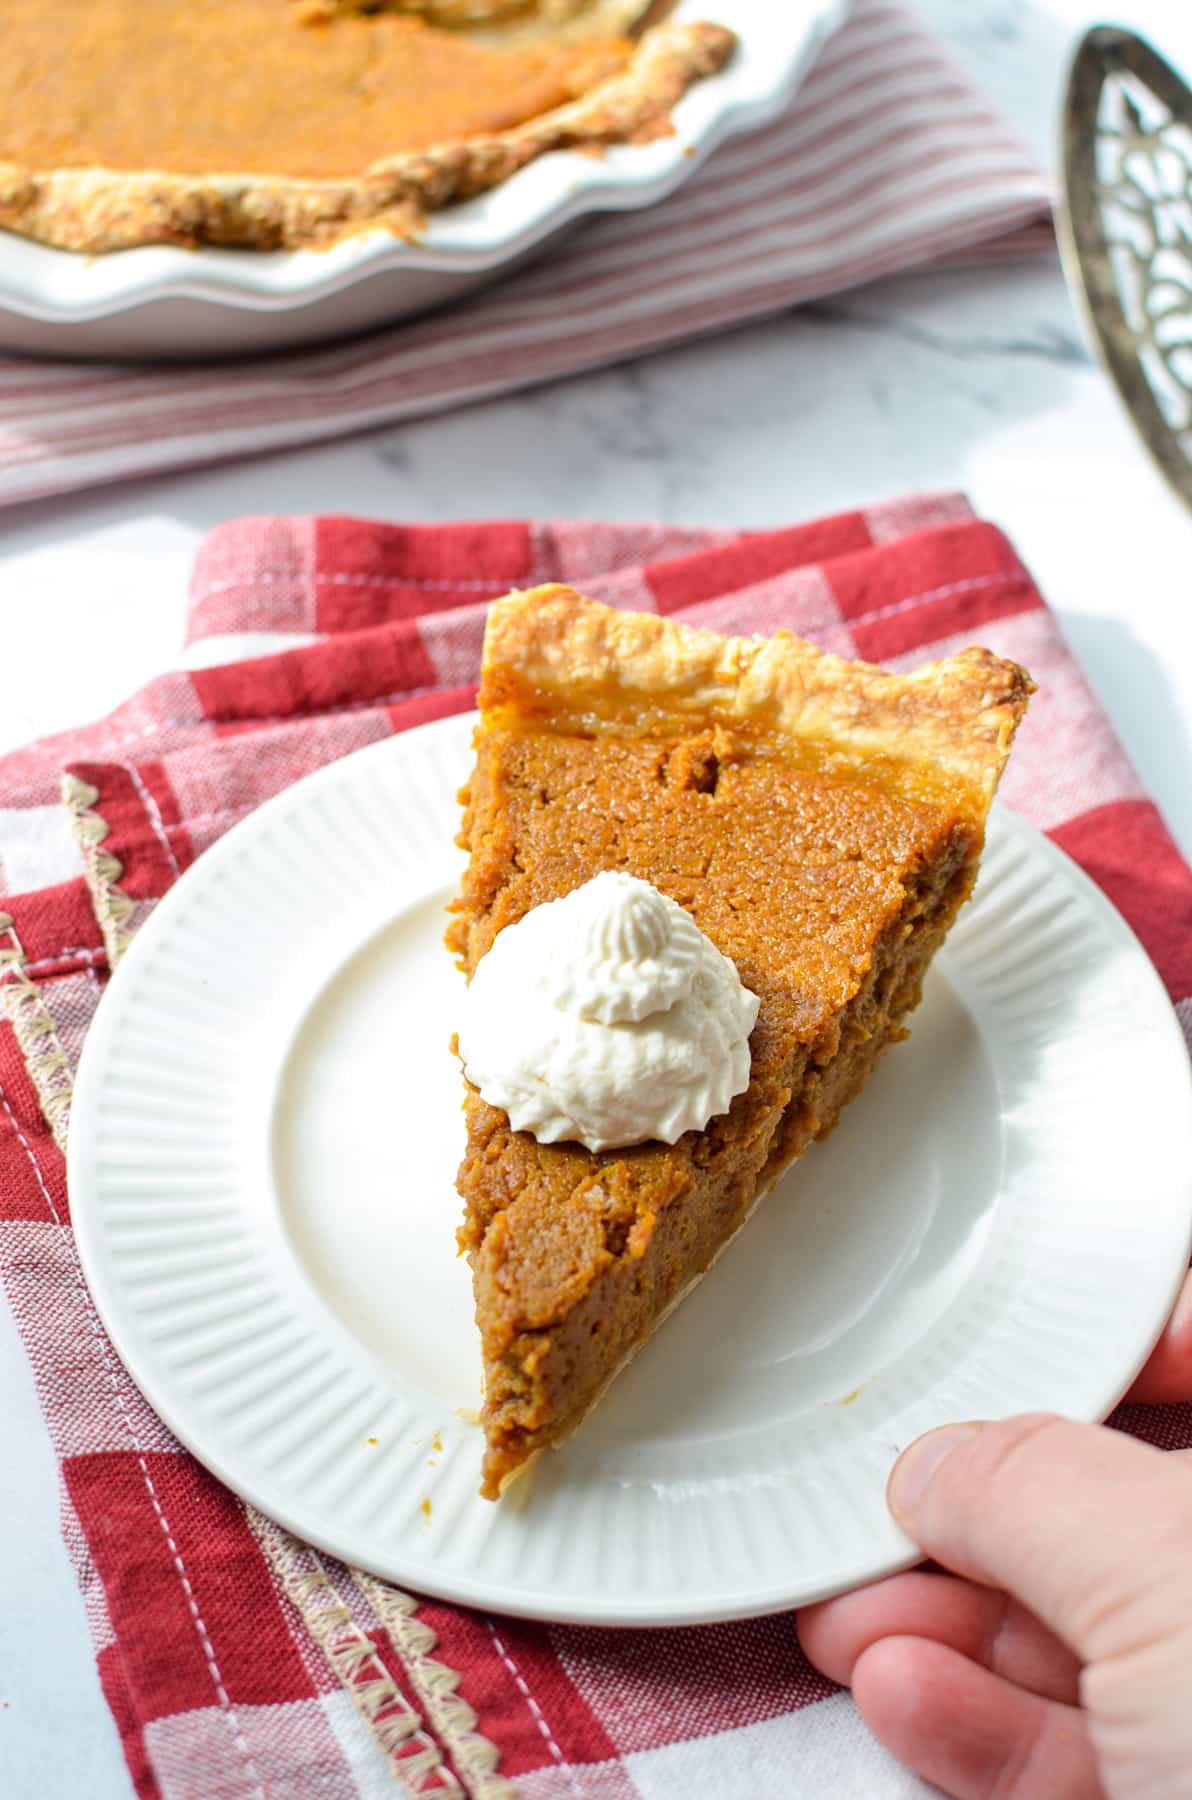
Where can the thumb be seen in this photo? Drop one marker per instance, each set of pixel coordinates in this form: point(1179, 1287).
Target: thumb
point(1090, 1530)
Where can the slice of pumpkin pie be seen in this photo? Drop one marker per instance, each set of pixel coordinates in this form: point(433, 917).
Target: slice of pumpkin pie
point(706, 878)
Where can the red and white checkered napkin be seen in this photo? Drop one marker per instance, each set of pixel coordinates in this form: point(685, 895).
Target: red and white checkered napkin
point(889, 158)
point(238, 1662)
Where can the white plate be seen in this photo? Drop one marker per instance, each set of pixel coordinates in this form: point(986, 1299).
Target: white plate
point(161, 301)
point(262, 1152)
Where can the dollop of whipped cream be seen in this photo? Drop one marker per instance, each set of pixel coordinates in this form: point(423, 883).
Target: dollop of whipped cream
point(607, 1018)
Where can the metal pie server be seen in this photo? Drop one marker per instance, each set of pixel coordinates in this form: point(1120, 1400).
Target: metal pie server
point(1125, 232)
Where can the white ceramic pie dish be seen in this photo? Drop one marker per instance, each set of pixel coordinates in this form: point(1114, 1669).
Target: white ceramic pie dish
point(165, 302)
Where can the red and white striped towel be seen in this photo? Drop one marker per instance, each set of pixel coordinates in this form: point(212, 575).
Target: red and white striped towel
point(889, 158)
point(238, 1663)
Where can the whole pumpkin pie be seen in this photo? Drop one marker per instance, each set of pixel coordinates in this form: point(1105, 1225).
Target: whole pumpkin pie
point(821, 821)
point(282, 123)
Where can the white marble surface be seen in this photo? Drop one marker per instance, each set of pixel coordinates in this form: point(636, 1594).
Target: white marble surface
point(977, 379)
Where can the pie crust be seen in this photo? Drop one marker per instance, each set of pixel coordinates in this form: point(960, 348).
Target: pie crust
point(945, 727)
point(821, 820)
point(100, 209)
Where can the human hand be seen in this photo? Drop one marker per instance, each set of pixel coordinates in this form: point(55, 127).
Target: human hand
point(1054, 1661)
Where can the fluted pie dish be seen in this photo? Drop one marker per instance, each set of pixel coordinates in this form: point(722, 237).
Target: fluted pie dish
point(422, 229)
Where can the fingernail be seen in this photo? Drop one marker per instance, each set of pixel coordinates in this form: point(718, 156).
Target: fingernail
point(916, 1468)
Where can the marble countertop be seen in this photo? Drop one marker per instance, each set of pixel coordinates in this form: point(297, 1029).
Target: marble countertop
point(977, 379)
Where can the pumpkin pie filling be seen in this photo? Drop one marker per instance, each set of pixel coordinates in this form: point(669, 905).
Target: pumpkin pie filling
point(195, 87)
point(758, 797)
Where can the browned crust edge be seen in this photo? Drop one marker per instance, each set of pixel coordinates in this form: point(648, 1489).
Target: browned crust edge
point(568, 662)
point(106, 209)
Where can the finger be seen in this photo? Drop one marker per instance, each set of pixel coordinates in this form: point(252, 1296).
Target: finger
point(1168, 1375)
point(985, 1626)
point(972, 1733)
point(1090, 1530)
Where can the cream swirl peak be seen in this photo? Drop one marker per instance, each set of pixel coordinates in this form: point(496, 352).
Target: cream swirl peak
point(607, 1019)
